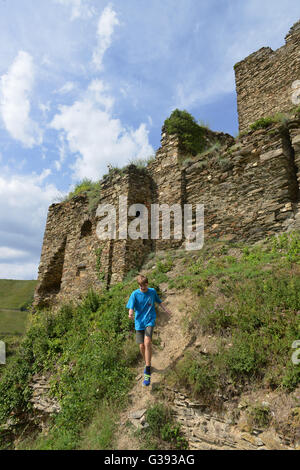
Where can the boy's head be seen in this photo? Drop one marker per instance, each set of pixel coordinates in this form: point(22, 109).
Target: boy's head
point(142, 282)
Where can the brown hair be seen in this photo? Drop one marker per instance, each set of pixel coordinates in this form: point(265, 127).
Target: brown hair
point(142, 280)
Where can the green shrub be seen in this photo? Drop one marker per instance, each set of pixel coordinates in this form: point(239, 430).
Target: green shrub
point(217, 320)
point(166, 266)
point(262, 123)
point(196, 373)
point(259, 416)
point(185, 126)
point(246, 357)
point(291, 378)
point(162, 426)
point(15, 392)
point(288, 244)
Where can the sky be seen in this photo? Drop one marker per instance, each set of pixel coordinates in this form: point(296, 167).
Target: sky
point(87, 83)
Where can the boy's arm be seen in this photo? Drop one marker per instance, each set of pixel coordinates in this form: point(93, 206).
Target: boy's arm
point(130, 306)
point(158, 300)
point(131, 314)
point(165, 309)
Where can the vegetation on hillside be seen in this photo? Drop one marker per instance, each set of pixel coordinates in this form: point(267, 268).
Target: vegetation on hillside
point(247, 301)
point(254, 324)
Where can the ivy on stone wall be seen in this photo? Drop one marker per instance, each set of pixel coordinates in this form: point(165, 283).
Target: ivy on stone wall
point(100, 272)
point(189, 131)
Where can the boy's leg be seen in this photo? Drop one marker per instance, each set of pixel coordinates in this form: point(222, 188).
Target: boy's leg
point(148, 345)
point(148, 355)
point(142, 349)
point(148, 350)
point(140, 334)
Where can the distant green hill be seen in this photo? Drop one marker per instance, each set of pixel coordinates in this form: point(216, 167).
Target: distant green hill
point(13, 293)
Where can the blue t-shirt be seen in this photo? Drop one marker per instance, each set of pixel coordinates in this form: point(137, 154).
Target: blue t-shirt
point(143, 304)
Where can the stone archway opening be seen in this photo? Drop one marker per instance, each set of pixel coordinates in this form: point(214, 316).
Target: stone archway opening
point(86, 229)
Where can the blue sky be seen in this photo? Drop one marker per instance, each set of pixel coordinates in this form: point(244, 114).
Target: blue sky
point(84, 83)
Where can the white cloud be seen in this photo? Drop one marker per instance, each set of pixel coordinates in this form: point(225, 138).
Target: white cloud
point(22, 270)
point(188, 93)
point(11, 253)
point(45, 108)
point(66, 88)
point(96, 137)
point(89, 127)
point(79, 8)
point(15, 91)
point(62, 153)
point(106, 24)
point(22, 221)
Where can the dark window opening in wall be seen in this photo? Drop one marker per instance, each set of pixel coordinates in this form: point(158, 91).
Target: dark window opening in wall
point(81, 268)
point(86, 229)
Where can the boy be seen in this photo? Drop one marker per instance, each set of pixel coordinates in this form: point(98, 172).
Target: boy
point(142, 301)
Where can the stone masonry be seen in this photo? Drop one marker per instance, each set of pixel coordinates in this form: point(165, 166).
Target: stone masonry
point(267, 81)
point(249, 187)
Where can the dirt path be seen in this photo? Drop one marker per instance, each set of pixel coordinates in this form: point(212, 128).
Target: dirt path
point(173, 342)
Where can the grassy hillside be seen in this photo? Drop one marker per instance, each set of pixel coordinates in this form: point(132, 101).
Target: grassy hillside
point(12, 322)
point(13, 293)
point(245, 310)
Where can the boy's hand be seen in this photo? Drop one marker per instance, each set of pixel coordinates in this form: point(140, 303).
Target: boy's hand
point(131, 315)
point(166, 309)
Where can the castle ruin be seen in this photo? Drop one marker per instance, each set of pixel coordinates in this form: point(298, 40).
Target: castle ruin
point(249, 185)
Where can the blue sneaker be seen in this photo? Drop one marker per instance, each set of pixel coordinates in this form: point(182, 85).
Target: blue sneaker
point(147, 378)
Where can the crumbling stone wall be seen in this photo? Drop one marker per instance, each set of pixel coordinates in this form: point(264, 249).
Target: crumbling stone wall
point(266, 81)
point(73, 258)
point(250, 189)
point(169, 177)
point(67, 263)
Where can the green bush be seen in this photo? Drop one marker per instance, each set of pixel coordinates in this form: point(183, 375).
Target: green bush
point(291, 378)
point(196, 373)
point(217, 320)
point(162, 426)
point(288, 244)
point(262, 123)
point(259, 415)
point(245, 358)
point(185, 126)
point(166, 266)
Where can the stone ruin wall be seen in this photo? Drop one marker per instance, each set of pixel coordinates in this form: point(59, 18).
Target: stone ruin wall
point(249, 187)
point(267, 81)
point(73, 259)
